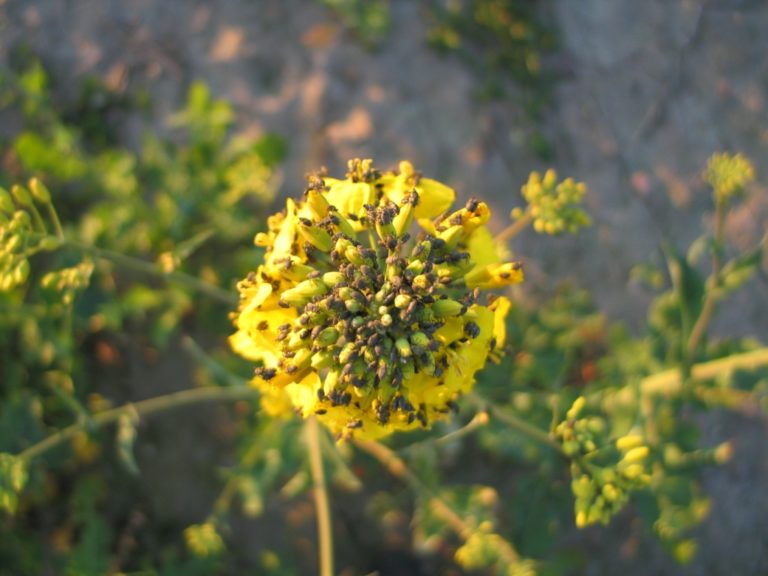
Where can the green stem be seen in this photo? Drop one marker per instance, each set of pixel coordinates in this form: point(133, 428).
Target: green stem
point(322, 503)
point(153, 269)
point(53, 215)
point(708, 308)
point(142, 408)
point(518, 424)
point(399, 469)
point(515, 228)
point(669, 382)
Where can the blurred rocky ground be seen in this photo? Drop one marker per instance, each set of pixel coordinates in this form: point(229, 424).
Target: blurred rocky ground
point(646, 92)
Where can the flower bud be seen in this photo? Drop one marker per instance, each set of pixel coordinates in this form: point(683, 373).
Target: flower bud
point(39, 191)
point(447, 307)
point(303, 292)
point(317, 204)
point(403, 347)
point(402, 300)
point(330, 279)
point(6, 202)
point(21, 195)
point(628, 442)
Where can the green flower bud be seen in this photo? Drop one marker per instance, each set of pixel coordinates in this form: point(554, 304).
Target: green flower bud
point(332, 278)
point(328, 336)
point(353, 306)
point(39, 191)
point(6, 202)
point(316, 236)
point(386, 320)
point(21, 195)
point(451, 236)
point(321, 360)
point(303, 292)
point(420, 339)
point(403, 347)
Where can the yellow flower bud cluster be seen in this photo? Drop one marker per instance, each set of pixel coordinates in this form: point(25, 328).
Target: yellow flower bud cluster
point(603, 474)
point(555, 207)
point(728, 174)
point(367, 310)
point(66, 282)
point(203, 540)
point(22, 232)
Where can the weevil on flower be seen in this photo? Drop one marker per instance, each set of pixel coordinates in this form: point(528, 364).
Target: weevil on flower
point(368, 311)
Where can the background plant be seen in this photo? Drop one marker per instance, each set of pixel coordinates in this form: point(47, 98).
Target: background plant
point(578, 420)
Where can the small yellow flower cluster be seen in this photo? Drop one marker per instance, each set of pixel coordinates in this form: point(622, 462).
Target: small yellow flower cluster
point(21, 232)
point(358, 319)
point(554, 207)
point(602, 476)
point(203, 540)
point(728, 174)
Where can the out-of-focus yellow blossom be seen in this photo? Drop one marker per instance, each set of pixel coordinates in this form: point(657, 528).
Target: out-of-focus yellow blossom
point(360, 319)
point(728, 174)
point(555, 207)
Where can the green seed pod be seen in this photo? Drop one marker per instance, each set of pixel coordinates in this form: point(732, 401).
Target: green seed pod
point(447, 307)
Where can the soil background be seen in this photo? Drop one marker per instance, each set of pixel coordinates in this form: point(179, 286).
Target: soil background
point(646, 92)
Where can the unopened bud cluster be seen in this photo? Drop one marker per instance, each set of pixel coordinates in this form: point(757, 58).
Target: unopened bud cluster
point(604, 474)
point(22, 232)
point(728, 174)
point(555, 207)
point(359, 319)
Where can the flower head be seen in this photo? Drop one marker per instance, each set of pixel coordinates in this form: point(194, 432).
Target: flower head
point(363, 321)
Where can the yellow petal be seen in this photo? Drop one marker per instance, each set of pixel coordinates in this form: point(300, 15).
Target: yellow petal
point(349, 197)
point(495, 275)
point(482, 247)
point(434, 198)
point(500, 308)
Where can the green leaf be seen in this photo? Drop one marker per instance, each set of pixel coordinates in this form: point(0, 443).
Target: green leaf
point(738, 271)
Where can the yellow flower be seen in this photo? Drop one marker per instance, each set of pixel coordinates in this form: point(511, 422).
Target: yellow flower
point(356, 321)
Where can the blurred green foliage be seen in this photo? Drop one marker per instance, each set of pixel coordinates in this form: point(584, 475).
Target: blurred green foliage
point(580, 424)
